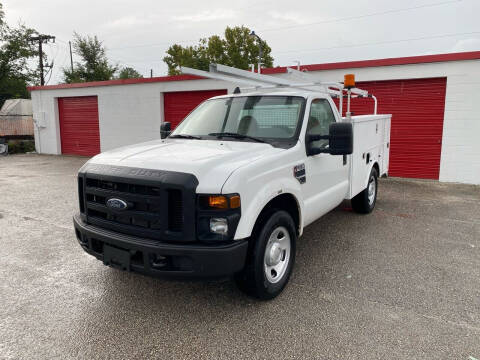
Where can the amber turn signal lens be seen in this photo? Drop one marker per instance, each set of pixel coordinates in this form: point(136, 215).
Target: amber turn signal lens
point(349, 81)
point(235, 202)
point(218, 202)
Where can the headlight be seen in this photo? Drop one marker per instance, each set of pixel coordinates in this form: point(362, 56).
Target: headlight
point(217, 216)
point(219, 226)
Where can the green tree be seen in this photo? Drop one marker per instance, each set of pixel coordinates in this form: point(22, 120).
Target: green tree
point(129, 73)
point(237, 49)
point(16, 51)
point(94, 65)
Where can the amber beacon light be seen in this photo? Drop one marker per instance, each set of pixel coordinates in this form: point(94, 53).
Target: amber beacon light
point(349, 81)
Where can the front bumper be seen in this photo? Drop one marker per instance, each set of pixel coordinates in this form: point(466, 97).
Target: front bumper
point(154, 258)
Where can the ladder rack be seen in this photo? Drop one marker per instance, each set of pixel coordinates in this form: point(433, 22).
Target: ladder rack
point(296, 80)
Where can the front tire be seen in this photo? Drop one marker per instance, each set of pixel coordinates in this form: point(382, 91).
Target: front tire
point(271, 258)
point(364, 202)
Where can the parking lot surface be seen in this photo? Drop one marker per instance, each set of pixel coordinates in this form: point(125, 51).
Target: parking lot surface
point(400, 283)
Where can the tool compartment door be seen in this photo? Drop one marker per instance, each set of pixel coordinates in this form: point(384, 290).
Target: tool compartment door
point(369, 146)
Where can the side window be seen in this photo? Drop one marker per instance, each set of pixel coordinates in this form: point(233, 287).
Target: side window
point(319, 120)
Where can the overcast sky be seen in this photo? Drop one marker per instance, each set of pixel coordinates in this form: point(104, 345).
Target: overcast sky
point(137, 33)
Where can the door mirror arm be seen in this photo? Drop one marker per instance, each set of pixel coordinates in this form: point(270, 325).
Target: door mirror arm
point(311, 138)
point(312, 150)
point(315, 151)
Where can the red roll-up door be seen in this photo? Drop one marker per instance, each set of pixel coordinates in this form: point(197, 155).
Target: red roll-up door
point(417, 107)
point(79, 129)
point(177, 105)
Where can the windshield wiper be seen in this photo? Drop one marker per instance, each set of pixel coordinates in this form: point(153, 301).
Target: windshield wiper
point(185, 136)
point(236, 136)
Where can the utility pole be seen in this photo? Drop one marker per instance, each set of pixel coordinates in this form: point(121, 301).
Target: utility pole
point(151, 73)
point(71, 58)
point(41, 39)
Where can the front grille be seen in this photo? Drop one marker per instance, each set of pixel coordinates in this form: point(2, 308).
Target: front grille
point(153, 210)
point(175, 210)
point(80, 194)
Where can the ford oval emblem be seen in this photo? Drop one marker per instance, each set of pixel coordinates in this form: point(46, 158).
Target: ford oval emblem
point(117, 204)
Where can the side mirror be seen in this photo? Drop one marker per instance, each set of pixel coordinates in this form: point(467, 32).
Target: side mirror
point(340, 140)
point(165, 130)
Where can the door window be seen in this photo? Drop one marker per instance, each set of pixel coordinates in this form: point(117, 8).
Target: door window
point(319, 120)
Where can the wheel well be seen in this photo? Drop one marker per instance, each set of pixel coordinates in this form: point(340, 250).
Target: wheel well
point(376, 167)
point(286, 202)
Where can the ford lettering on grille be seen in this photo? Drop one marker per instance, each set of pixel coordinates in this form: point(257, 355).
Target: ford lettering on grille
point(117, 204)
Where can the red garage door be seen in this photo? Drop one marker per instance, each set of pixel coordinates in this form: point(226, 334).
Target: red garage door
point(79, 130)
point(417, 108)
point(177, 105)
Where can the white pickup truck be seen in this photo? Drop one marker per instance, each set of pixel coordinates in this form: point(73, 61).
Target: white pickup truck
point(230, 190)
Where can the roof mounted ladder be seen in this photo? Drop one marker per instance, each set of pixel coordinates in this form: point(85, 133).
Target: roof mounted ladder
point(297, 80)
point(253, 80)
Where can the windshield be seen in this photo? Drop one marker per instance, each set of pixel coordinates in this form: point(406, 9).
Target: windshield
point(261, 117)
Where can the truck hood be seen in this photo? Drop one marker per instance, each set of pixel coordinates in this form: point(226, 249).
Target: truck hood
point(211, 161)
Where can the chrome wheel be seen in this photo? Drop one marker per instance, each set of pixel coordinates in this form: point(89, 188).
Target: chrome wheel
point(277, 254)
point(372, 188)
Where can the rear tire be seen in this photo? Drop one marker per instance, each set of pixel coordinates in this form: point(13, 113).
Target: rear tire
point(364, 202)
point(271, 257)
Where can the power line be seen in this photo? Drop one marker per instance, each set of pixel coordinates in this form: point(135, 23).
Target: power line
point(154, 44)
point(379, 42)
point(137, 61)
point(129, 63)
point(57, 65)
point(49, 72)
point(386, 12)
point(117, 60)
point(355, 17)
point(52, 63)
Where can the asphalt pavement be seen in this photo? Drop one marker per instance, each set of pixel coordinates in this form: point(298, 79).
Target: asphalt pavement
point(400, 283)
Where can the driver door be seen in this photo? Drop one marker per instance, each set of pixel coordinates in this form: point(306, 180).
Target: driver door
point(326, 175)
